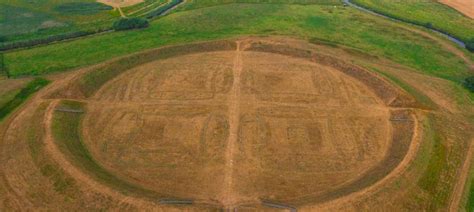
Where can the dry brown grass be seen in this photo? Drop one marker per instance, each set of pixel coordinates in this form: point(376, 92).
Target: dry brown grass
point(292, 111)
point(275, 122)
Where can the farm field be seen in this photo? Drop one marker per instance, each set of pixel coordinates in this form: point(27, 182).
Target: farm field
point(239, 105)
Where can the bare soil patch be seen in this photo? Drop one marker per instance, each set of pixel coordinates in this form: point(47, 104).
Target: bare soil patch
point(243, 126)
point(466, 7)
point(120, 3)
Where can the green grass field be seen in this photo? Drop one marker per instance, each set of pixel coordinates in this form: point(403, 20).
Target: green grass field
point(377, 36)
point(196, 4)
point(439, 15)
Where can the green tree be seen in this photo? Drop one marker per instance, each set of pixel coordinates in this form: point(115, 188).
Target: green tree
point(469, 83)
point(470, 45)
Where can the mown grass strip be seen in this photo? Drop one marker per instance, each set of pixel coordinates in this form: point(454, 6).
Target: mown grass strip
point(66, 132)
point(22, 96)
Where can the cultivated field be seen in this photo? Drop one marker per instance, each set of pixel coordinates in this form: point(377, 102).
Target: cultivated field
point(247, 124)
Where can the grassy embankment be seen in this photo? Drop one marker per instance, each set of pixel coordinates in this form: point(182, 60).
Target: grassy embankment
point(355, 29)
point(446, 19)
point(439, 16)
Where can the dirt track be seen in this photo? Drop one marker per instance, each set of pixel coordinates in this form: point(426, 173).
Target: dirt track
point(73, 171)
point(234, 120)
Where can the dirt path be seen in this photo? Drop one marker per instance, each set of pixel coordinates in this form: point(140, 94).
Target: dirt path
point(458, 191)
point(121, 12)
point(16, 120)
point(57, 156)
point(234, 119)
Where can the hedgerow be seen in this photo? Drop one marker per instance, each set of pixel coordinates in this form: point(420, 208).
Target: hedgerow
point(130, 23)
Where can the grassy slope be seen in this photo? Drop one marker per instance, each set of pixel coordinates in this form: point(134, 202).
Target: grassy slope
point(355, 29)
point(422, 12)
point(21, 96)
point(196, 4)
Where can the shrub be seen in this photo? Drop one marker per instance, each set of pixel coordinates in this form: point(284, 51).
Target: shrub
point(130, 23)
point(469, 83)
point(3, 38)
point(470, 45)
point(429, 25)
